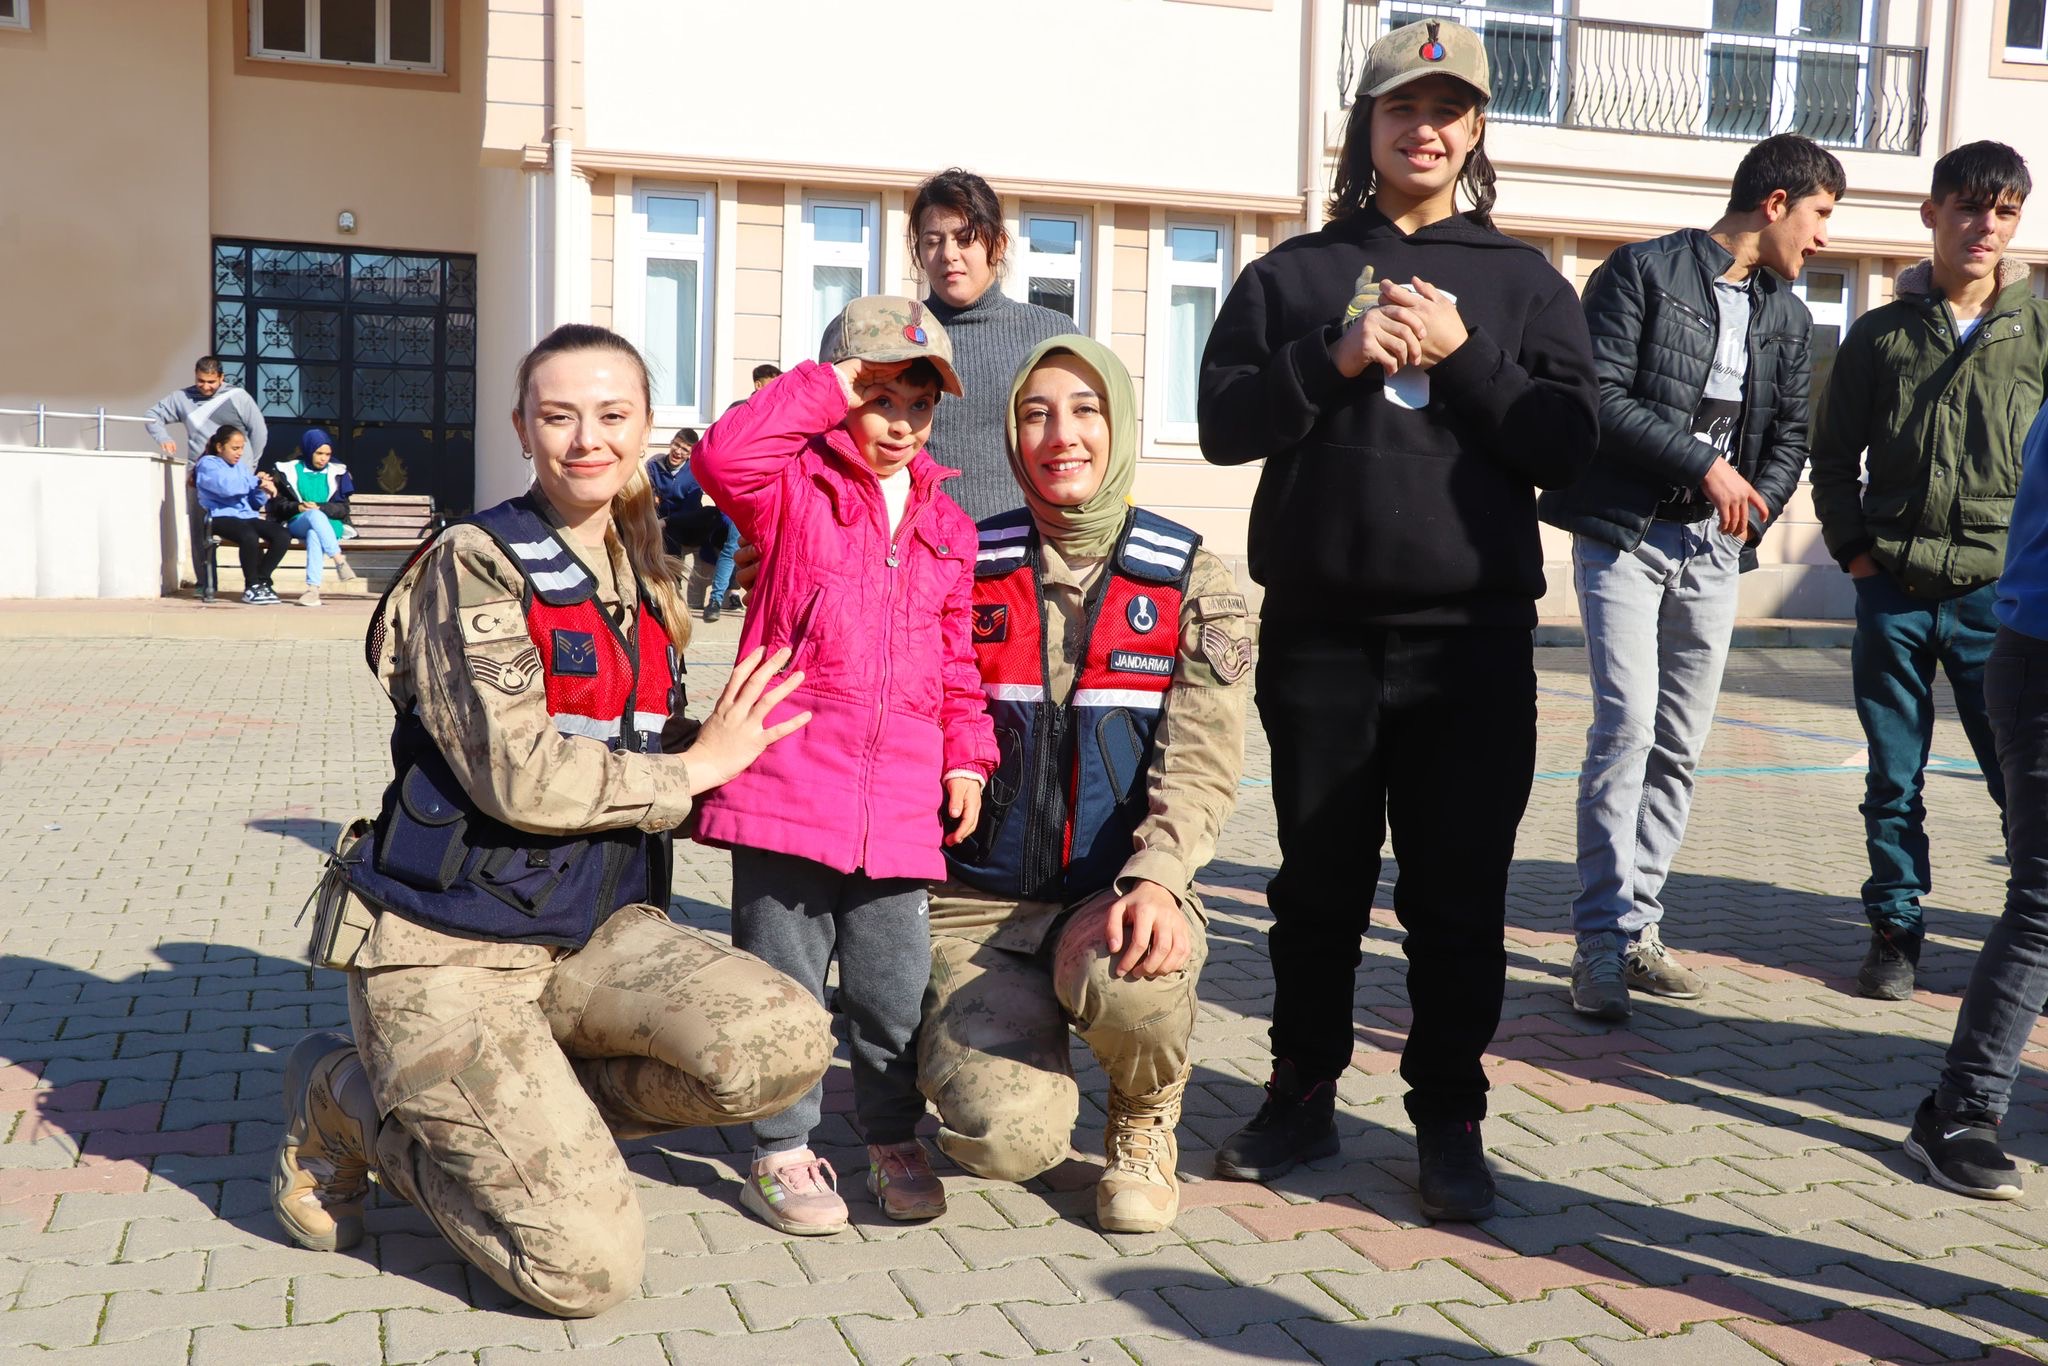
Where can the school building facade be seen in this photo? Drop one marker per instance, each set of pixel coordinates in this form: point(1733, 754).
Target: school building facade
point(370, 208)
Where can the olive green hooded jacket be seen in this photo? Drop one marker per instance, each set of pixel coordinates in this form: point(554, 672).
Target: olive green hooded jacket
point(1943, 424)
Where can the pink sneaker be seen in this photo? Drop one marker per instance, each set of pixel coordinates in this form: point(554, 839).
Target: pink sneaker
point(795, 1192)
point(900, 1176)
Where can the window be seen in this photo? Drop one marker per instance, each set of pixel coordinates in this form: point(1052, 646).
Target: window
point(1054, 249)
point(1826, 291)
point(13, 13)
point(2026, 31)
point(401, 34)
point(1801, 66)
point(1197, 267)
point(839, 237)
point(1522, 39)
point(673, 232)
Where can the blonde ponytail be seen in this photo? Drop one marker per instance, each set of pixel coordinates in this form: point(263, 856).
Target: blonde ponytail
point(639, 528)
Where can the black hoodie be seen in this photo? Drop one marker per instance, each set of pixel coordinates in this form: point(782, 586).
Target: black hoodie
point(1372, 512)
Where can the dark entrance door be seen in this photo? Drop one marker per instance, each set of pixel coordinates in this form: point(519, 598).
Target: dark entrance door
point(376, 347)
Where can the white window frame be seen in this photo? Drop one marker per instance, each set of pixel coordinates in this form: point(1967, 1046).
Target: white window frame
point(382, 62)
point(637, 245)
point(1165, 274)
point(1837, 315)
point(1027, 264)
point(2037, 56)
point(865, 256)
point(20, 17)
point(1480, 19)
point(1787, 45)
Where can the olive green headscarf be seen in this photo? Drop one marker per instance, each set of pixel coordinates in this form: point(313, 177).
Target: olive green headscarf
point(1090, 529)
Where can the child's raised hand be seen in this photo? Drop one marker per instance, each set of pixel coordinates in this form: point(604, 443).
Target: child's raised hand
point(963, 808)
point(858, 377)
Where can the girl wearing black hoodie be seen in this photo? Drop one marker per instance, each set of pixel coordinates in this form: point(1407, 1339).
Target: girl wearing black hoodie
point(1410, 376)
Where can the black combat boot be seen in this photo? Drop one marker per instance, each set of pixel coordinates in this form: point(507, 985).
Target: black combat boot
point(1296, 1124)
point(1456, 1184)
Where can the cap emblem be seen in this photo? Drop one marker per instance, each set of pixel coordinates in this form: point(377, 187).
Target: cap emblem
point(915, 333)
point(1432, 51)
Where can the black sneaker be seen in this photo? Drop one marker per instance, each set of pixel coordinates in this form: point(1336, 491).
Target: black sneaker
point(1456, 1184)
point(1887, 971)
point(711, 611)
point(1961, 1153)
point(1296, 1124)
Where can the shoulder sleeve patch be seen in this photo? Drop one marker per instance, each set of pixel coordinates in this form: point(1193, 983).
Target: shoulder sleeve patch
point(1218, 605)
point(1227, 652)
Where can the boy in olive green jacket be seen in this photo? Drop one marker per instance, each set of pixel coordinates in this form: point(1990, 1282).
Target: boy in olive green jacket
point(1939, 387)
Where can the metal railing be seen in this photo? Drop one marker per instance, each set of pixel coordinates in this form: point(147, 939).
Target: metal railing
point(99, 417)
point(1620, 76)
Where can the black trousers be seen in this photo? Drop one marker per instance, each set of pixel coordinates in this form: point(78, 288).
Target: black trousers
point(261, 542)
point(1432, 731)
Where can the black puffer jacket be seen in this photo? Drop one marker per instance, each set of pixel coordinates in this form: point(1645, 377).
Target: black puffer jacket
point(1650, 308)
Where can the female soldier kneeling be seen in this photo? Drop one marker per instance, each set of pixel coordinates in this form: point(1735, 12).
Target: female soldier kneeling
point(522, 1000)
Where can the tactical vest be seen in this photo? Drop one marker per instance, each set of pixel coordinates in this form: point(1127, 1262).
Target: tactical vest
point(1068, 793)
point(434, 857)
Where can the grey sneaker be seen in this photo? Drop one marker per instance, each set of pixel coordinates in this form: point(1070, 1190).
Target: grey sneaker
point(1651, 968)
point(1599, 981)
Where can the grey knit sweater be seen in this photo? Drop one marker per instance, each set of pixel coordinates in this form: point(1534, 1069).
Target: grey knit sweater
point(990, 337)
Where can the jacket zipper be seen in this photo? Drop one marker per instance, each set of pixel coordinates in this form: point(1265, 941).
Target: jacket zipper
point(889, 597)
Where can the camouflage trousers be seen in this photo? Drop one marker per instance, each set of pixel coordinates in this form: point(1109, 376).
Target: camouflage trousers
point(506, 1084)
point(993, 1056)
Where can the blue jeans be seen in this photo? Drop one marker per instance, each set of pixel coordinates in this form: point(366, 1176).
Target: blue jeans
point(2011, 978)
point(1899, 640)
point(1657, 620)
point(722, 580)
point(314, 528)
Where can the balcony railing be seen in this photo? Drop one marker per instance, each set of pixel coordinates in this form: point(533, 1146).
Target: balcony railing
point(1625, 77)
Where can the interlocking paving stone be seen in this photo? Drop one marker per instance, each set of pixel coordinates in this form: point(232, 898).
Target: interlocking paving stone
point(1742, 1145)
point(356, 1337)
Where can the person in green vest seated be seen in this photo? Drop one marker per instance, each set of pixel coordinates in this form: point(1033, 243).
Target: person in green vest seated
point(321, 488)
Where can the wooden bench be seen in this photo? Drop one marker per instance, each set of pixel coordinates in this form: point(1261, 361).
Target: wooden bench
point(388, 526)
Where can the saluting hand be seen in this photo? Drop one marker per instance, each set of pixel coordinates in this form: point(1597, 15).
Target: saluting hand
point(737, 731)
point(858, 378)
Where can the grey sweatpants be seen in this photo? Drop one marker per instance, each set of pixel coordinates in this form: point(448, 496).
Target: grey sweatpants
point(795, 915)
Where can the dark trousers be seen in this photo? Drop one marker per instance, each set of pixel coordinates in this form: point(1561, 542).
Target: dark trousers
point(1430, 731)
point(1899, 641)
point(798, 916)
point(2003, 1002)
point(261, 543)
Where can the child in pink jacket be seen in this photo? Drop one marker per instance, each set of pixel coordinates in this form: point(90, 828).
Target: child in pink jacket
point(867, 577)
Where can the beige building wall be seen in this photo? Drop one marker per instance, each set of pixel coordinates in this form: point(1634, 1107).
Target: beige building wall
point(404, 162)
point(104, 215)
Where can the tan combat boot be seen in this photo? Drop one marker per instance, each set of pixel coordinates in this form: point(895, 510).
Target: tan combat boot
point(1139, 1191)
point(322, 1173)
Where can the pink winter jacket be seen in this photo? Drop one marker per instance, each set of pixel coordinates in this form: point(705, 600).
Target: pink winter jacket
point(881, 630)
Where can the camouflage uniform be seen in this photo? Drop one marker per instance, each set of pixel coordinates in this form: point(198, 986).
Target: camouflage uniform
point(505, 1072)
point(1008, 977)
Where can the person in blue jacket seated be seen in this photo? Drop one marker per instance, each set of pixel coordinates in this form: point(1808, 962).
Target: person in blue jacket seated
point(235, 493)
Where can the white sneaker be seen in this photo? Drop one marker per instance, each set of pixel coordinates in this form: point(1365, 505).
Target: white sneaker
point(310, 598)
point(343, 569)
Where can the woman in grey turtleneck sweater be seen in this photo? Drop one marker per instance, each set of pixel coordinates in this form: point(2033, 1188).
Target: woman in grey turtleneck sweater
point(956, 225)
